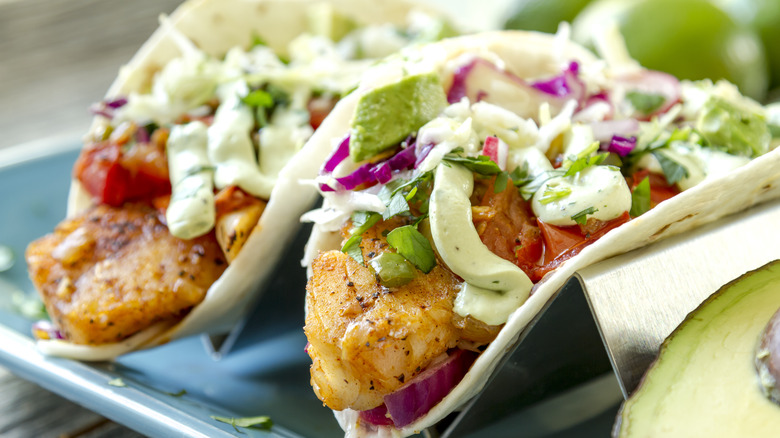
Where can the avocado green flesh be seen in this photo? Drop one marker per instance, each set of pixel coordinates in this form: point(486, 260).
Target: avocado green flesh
point(387, 115)
point(704, 382)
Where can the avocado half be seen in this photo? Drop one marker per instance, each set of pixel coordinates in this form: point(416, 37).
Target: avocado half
point(705, 381)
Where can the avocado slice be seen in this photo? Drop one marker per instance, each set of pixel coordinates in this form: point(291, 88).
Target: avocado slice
point(387, 115)
point(704, 381)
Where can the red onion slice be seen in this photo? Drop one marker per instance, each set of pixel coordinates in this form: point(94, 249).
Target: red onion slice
point(622, 145)
point(481, 80)
point(46, 330)
point(420, 394)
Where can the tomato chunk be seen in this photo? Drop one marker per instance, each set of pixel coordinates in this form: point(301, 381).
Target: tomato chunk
point(563, 243)
point(114, 172)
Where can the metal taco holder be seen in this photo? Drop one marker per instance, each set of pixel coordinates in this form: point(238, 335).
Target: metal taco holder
point(597, 336)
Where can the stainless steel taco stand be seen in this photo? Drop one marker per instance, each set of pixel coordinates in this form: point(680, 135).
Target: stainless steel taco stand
point(599, 334)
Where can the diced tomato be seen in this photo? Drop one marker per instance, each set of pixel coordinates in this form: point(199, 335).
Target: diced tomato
point(114, 174)
point(660, 189)
point(511, 232)
point(563, 243)
point(319, 108)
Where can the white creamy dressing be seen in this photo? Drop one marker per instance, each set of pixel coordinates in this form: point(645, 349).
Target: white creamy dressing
point(599, 187)
point(230, 144)
point(191, 212)
point(701, 163)
point(493, 287)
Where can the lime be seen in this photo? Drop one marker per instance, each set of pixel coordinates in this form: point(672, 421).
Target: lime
point(544, 15)
point(763, 16)
point(691, 39)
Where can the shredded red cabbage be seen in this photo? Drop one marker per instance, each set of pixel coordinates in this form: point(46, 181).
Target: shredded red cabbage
point(419, 395)
point(458, 90)
point(106, 108)
point(562, 85)
point(116, 103)
point(381, 172)
point(339, 155)
point(142, 135)
point(422, 153)
point(622, 145)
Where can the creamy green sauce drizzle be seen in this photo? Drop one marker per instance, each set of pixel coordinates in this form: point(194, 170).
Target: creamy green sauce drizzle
point(493, 287)
point(191, 211)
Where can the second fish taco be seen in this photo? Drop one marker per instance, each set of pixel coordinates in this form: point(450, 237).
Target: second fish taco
point(471, 178)
point(185, 193)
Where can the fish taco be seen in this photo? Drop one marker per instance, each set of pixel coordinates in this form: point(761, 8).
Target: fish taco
point(185, 193)
point(471, 178)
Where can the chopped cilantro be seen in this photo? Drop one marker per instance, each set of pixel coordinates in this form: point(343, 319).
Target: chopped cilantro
point(645, 103)
point(413, 246)
point(395, 206)
point(581, 163)
point(640, 198)
point(501, 181)
point(582, 217)
point(262, 422)
point(554, 194)
point(673, 170)
point(482, 164)
point(258, 98)
point(521, 175)
point(352, 248)
point(362, 221)
point(177, 394)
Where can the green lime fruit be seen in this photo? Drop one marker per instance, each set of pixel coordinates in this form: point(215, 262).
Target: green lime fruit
point(763, 16)
point(691, 39)
point(544, 15)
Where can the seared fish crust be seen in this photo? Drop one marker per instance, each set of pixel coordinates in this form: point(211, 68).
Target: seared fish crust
point(112, 272)
point(365, 340)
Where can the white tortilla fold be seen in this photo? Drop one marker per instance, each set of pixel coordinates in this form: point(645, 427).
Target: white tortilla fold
point(529, 54)
point(215, 26)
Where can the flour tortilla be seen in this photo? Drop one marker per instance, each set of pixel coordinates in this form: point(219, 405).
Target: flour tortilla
point(529, 54)
point(215, 26)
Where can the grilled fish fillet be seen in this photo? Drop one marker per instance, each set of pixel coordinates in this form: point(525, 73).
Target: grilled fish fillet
point(366, 340)
point(111, 272)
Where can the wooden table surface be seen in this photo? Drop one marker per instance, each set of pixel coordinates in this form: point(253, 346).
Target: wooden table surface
point(56, 58)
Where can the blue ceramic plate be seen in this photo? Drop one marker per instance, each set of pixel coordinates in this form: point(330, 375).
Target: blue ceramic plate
point(175, 389)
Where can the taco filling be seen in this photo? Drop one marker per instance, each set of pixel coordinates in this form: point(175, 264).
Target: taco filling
point(178, 174)
point(459, 190)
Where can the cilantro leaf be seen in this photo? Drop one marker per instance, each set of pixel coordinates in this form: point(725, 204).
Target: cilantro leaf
point(258, 98)
point(640, 198)
point(581, 218)
point(554, 194)
point(396, 206)
point(352, 248)
point(501, 181)
point(482, 164)
point(262, 422)
point(645, 103)
point(411, 244)
point(362, 221)
point(521, 175)
point(582, 163)
point(673, 170)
